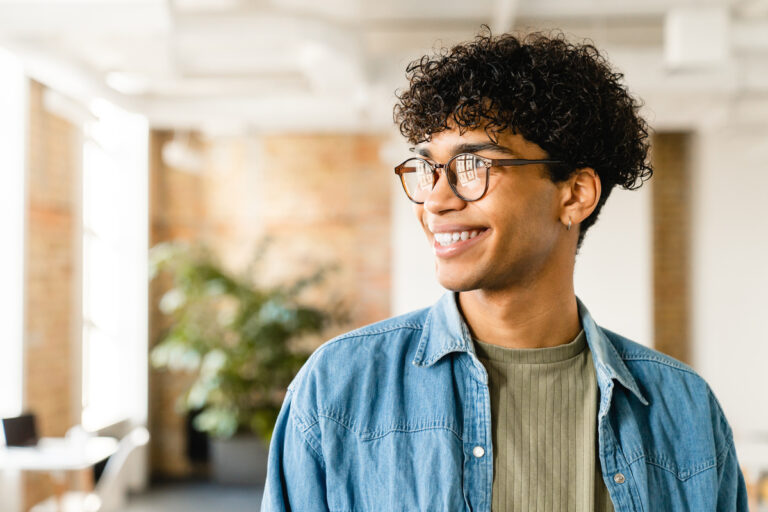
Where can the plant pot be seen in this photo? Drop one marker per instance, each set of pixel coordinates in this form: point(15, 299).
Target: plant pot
point(240, 460)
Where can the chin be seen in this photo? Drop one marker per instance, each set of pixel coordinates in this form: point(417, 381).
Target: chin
point(457, 283)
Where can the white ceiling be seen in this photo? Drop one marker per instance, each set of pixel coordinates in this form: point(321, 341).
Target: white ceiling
point(233, 65)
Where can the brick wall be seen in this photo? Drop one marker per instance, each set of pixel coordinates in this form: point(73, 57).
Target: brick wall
point(177, 212)
point(325, 199)
point(322, 198)
point(52, 278)
point(671, 199)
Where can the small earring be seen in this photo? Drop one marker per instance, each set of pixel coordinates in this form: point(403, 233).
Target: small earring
point(569, 225)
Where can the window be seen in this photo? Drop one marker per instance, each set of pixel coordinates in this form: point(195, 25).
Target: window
point(13, 146)
point(115, 233)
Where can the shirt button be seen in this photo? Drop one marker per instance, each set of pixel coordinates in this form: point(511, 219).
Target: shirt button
point(618, 478)
point(478, 451)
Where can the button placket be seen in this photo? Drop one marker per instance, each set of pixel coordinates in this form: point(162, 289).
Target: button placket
point(623, 491)
point(478, 475)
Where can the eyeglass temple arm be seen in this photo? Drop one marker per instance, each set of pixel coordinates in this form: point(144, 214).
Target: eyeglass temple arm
point(521, 161)
point(400, 169)
point(494, 162)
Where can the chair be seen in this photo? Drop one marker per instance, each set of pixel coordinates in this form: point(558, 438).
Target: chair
point(21, 430)
point(109, 493)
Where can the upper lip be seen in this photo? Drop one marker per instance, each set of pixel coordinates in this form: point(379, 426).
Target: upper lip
point(451, 228)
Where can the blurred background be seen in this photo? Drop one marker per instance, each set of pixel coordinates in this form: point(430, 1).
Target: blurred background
point(197, 193)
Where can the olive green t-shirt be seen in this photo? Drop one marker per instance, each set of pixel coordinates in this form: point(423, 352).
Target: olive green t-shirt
point(544, 428)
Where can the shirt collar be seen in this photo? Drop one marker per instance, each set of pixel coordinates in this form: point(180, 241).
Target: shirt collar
point(445, 331)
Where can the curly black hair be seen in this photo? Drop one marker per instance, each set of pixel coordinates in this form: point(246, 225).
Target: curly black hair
point(562, 96)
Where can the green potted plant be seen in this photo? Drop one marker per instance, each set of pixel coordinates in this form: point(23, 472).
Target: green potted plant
point(240, 339)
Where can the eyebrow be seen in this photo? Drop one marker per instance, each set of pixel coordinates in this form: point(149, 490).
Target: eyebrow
point(468, 147)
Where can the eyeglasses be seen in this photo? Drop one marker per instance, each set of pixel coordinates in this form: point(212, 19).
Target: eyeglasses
point(467, 175)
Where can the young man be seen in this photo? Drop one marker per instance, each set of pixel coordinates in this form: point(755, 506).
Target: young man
point(505, 395)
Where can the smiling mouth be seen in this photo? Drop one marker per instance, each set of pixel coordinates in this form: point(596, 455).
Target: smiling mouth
point(454, 237)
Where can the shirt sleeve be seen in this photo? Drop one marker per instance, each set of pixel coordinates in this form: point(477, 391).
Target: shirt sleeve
point(732, 495)
point(295, 468)
point(732, 490)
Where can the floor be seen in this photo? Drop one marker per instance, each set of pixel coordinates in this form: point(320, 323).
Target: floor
point(196, 497)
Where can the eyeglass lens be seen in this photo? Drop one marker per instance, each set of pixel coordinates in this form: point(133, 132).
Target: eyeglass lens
point(466, 174)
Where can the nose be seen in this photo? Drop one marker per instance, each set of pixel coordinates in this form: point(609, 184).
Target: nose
point(442, 198)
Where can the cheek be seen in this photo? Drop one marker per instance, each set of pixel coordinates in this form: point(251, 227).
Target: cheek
point(418, 211)
point(520, 217)
point(541, 218)
point(503, 212)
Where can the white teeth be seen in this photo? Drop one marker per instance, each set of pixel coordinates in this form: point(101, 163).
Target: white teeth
point(451, 238)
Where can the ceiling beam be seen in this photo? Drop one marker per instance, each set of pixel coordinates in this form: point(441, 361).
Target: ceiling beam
point(503, 17)
point(45, 19)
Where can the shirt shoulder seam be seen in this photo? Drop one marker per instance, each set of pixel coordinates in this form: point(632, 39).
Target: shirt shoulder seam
point(302, 428)
point(723, 455)
point(657, 359)
point(305, 420)
point(727, 431)
point(363, 332)
point(357, 333)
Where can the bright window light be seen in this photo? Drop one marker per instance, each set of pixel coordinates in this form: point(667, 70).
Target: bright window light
point(115, 237)
point(13, 147)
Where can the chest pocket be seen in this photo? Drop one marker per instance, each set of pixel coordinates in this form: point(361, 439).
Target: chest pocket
point(670, 486)
point(393, 469)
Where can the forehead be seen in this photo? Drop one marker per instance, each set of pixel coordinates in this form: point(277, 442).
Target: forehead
point(450, 141)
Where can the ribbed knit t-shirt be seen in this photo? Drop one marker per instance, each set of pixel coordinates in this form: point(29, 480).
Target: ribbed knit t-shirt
point(544, 428)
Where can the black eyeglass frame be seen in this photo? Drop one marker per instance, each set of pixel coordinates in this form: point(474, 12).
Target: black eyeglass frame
point(400, 170)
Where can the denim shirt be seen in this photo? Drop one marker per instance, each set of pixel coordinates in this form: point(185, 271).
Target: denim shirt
point(389, 417)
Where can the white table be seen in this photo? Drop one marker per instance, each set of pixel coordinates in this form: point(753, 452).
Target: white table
point(54, 454)
point(57, 456)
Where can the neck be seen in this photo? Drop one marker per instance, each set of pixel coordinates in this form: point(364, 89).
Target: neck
point(527, 317)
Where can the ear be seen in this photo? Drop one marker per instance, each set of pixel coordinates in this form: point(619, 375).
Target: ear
point(579, 195)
